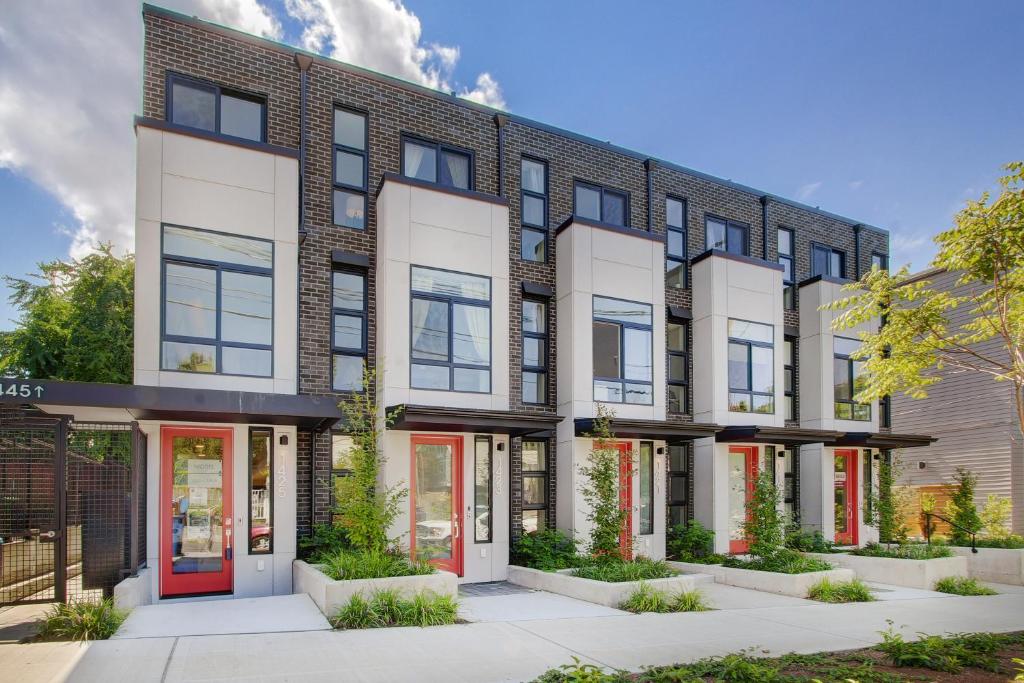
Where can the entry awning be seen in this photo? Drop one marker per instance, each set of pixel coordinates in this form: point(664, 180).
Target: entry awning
point(884, 441)
point(174, 403)
point(788, 436)
point(670, 432)
point(442, 419)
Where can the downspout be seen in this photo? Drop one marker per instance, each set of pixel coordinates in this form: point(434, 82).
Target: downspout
point(500, 120)
point(856, 251)
point(650, 165)
point(303, 62)
point(764, 226)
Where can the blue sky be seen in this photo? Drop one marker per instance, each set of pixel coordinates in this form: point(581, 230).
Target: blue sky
point(889, 113)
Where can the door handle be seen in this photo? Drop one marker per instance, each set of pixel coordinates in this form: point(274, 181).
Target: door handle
point(457, 527)
point(227, 546)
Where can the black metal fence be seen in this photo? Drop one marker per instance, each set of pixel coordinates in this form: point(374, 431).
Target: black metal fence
point(72, 508)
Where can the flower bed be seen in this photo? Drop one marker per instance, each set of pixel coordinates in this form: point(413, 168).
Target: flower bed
point(898, 571)
point(795, 585)
point(999, 565)
point(330, 595)
point(609, 594)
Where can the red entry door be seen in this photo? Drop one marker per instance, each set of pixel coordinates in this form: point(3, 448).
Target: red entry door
point(742, 478)
point(196, 544)
point(626, 497)
point(436, 501)
point(847, 519)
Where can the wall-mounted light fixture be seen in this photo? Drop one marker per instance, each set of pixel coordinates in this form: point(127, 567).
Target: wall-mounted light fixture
point(921, 464)
point(283, 440)
point(661, 450)
point(501, 446)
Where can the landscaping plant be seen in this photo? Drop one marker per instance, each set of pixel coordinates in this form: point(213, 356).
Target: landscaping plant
point(81, 621)
point(961, 509)
point(892, 501)
point(906, 551)
point(326, 539)
point(961, 585)
point(648, 599)
point(764, 523)
point(344, 564)
point(692, 542)
point(639, 569)
point(602, 488)
point(995, 517)
point(807, 541)
point(854, 590)
point(388, 608)
point(782, 561)
point(547, 549)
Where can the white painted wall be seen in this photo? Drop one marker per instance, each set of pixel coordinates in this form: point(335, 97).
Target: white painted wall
point(426, 227)
point(197, 183)
point(725, 288)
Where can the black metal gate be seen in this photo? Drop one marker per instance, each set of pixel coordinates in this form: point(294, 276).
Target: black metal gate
point(72, 501)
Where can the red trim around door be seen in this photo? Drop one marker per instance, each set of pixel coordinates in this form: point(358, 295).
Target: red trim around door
point(453, 564)
point(750, 473)
point(850, 488)
point(194, 583)
point(626, 497)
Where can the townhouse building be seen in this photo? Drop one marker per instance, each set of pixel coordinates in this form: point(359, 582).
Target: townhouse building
point(301, 220)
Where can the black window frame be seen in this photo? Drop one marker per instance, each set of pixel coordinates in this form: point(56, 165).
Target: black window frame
point(362, 351)
point(602, 190)
point(541, 474)
point(728, 223)
point(542, 337)
point(269, 432)
point(790, 483)
point(440, 148)
point(642, 525)
point(682, 259)
point(338, 471)
point(879, 259)
point(623, 326)
point(818, 246)
point(685, 356)
point(530, 227)
point(478, 439)
point(684, 475)
point(364, 153)
point(749, 343)
point(220, 267)
point(850, 378)
point(788, 285)
point(218, 90)
point(789, 365)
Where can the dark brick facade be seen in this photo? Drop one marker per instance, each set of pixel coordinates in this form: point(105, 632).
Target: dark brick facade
point(178, 44)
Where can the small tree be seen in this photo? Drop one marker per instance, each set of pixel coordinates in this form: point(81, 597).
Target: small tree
point(366, 508)
point(892, 501)
point(602, 489)
point(995, 516)
point(927, 501)
point(961, 508)
point(765, 525)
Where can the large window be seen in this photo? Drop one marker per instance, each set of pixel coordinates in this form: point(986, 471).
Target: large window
point(600, 204)
point(483, 518)
point(206, 106)
point(451, 331)
point(351, 168)
point(341, 465)
point(786, 241)
point(848, 380)
point(535, 485)
point(622, 351)
point(218, 303)
point(751, 367)
point(789, 370)
point(675, 229)
point(678, 367)
point(827, 261)
point(534, 207)
point(678, 484)
point(726, 235)
point(261, 496)
point(437, 163)
point(880, 261)
point(646, 473)
point(348, 329)
point(535, 351)
point(789, 491)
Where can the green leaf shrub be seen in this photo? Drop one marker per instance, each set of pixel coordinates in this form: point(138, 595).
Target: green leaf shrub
point(81, 621)
point(648, 599)
point(387, 608)
point(905, 551)
point(961, 585)
point(345, 565)
point(840, 591)
point(547, 550)
point(639, 569)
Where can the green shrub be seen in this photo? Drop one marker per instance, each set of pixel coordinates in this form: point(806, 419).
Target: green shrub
point(326, 539)
point(647, 599)
point(961, 508)
point(1011, 541)
point(840, 591)
point(764, 523)
point(783, 561)
point(602, 481)
point(690, 601)
point(548, 550)
point(995, 516)
point(692, 542)
point(355, 564)
point(961, 585)
point(950, 654)
point(388, 608)
point(81, 621)
point(906, 551)
point(807, 541)
point(640, 569)
point(578, 672)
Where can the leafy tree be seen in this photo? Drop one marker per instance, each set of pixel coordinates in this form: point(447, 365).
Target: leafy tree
point(76, 320)
point(995, 516)
point(919, 338)
point(765, 525)
point(891, 502)
point(601, 489)
point(961, 508)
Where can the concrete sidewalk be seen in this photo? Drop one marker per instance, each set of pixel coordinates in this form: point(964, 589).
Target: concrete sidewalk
point(522, 650)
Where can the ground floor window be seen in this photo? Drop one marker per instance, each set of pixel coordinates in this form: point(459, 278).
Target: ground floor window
point(646, 474)
point(341, 464)
point(482, 490)
point(678, 484)
point(535, 485)
point(789, 483)
point(261, 468)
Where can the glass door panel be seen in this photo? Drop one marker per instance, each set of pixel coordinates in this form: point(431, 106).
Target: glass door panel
point(437, 501)
point(845, 500)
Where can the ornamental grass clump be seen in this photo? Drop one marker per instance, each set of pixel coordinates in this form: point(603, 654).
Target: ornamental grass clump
point(618, 571)
point(648, 599)
point(81, 621)
point(961, 585)
point(906, 551)
point(386, 608)
point(347, 565)
point(840, 591)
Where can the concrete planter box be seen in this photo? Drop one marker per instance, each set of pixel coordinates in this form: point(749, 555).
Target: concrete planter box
point(331, 595)
point(134, 591)
point(998, 565)
point(604, 593)
point(910, 573)
point(795, 585)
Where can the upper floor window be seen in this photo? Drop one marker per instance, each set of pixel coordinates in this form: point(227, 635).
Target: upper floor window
point(437, 163)
point(600, 204)
point(351, 168)
point(678, 367)
point(206, 106)
point(348, 329)
point(675, 249)
point(451, 331)
point(726, 235)
point(535, 351)
point(623, 351)
point(786, 241)
point(848, 380)
point(827, 261)
point(534, 207)
point(789, 370)
point(751, 367)
point(880, 261)
point(218, 303)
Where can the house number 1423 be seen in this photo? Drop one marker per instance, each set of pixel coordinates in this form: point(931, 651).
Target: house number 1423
point(21, 390)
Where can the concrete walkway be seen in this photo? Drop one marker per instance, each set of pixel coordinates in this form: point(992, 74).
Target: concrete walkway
point(519, 651)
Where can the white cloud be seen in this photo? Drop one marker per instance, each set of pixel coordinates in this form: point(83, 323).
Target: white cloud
point(911, 247)
point(805, 192)
point(70, 83)
point(856, 184)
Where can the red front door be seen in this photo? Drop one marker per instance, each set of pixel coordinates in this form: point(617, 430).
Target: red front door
point(626, 498)
point(742, 478)
point(847, 519)
point(436, 501)
point(196, 544)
